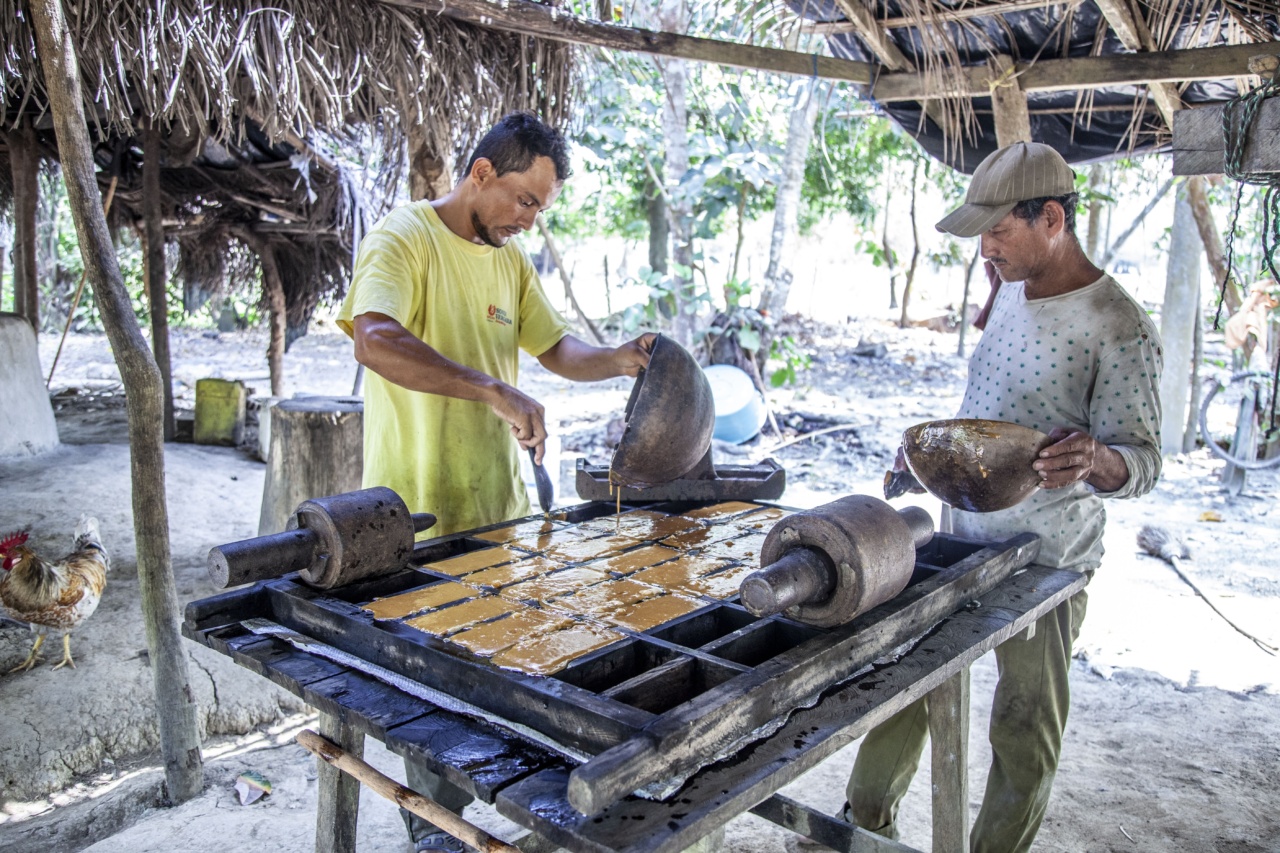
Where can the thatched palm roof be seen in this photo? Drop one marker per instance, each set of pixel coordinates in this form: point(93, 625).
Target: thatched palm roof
point(236, 86)
point(950, 44)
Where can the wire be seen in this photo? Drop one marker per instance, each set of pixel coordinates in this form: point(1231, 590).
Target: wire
point(1238, 117)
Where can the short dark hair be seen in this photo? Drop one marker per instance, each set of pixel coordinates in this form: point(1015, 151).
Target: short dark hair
point(516, 141)
point(1031, 209)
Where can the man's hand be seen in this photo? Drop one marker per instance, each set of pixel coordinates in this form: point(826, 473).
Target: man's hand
point(526, 417)
point(633, 357)
point(1075, 457)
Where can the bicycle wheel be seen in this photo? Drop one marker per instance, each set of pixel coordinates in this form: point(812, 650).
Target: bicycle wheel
point(1244, 395)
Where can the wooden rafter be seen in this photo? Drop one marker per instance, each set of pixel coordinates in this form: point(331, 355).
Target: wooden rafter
point(1132, 30)
point(1091, 72)
point(535, 19)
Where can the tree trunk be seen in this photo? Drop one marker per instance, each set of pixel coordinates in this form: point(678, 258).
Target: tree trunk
point(429, 168)
point(1094, 234)
point(1177, 319)
point(804, 111)
point(659, 225)
point(889, 263)
point(316, 450)
point(1212, 240)
point(673, 16)
point(24, 162)
point(175, 700)
point(737, 245)
point(153, 238)
point(1197, 358)
point(915, 247)
point(964, 299)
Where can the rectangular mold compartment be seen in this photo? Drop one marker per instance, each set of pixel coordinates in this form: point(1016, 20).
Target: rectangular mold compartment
point(674, 683)
point(944, 550)
point(758, 642)
point(612, 666)
point(703, 626)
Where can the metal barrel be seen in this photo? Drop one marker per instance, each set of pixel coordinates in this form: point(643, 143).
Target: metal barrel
point(261, 558)
point(801, 576)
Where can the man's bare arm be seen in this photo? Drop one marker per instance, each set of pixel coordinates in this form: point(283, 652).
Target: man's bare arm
point(390, 350)
point(581, 362)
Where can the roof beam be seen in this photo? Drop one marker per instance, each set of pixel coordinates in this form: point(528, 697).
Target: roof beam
point(1090, 72)
point(943, 15)
point(534, 19)
point(1132, 30)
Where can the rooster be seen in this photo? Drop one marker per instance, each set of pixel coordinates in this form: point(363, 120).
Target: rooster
point(53, 596)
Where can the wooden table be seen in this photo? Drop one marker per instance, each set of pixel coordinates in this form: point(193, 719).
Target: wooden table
point(528, 783)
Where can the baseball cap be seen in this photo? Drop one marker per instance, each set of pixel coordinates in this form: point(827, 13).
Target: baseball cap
point(1018, 172)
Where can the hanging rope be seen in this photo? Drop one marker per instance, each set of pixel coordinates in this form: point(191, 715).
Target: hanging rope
point(1238, 117)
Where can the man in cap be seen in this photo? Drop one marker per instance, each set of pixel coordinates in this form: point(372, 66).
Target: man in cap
point(1068, 352)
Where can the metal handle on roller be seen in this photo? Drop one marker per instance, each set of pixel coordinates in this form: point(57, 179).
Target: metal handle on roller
point(803, 575)
point(262, 558)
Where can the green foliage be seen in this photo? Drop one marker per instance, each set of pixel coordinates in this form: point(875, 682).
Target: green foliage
point(736, 291)
point(791, 359)
point(851, 161)
point(875, 249)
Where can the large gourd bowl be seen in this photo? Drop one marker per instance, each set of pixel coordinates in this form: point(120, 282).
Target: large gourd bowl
point(670, 417)
point(973, 464)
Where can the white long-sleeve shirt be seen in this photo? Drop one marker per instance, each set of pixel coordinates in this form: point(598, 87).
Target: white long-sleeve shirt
point(1087, 360)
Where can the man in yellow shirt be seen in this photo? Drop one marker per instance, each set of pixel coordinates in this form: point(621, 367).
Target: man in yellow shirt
point(440, 305)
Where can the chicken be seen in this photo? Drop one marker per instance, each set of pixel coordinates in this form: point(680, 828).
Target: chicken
point(53, 596)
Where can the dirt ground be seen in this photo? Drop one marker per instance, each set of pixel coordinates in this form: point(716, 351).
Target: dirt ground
point(1173, 744)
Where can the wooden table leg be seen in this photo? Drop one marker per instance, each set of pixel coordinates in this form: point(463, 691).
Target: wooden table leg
point(339, 804)
point(949, 736)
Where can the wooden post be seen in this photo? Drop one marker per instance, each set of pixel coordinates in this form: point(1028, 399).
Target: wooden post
point(1199, 147)
point(317, 446)
point(949, 739)
point(1013, 122)
point(175, 699)
point(24, 162)
point(1181, 290)
point(277, 308)
point(338, 808)
point(157, 275)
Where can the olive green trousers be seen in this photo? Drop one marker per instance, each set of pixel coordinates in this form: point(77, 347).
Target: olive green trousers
point(1028, 717)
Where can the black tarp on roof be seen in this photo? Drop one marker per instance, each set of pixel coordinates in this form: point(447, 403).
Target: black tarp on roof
point(1055, 32)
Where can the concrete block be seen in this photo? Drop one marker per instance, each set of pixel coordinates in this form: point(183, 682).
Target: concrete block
point(27, 426)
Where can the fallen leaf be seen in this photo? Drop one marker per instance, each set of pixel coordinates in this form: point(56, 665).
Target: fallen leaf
point(251, 787)
point(1210, 515)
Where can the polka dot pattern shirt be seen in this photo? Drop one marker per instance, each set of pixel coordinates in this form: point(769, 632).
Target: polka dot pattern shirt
point(1087, 360)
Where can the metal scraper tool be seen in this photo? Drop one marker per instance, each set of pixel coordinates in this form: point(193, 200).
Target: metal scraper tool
point(543, 479)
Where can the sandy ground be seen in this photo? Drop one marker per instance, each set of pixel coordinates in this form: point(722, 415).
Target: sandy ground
point(1174, 741)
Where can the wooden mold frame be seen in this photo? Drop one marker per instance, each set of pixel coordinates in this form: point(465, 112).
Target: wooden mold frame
point(658, 704)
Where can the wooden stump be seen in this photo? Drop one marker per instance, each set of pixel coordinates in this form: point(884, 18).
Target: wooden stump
point(317, 447)
point(27, 426)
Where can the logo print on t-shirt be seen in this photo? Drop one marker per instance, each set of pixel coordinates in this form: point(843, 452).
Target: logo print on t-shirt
point(499, 316)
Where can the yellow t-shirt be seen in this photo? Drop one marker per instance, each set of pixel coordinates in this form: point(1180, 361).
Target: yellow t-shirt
point(477, 306)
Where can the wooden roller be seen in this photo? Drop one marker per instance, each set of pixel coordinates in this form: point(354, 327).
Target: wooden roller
point(827, 565)
point(331, 541)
